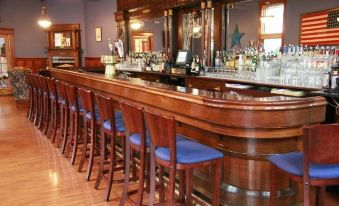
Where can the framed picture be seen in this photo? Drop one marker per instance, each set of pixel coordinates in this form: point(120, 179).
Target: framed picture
point(98, 34)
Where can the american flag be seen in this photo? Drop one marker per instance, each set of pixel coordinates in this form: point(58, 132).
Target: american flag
point(320, 28)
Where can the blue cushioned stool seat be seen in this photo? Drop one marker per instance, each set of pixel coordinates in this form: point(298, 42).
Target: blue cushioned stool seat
point(119, 123)
point(189, 152)
point(293, 163)
point(80, 106)
point(62, 101)
point(135, 139)
point(97, 116)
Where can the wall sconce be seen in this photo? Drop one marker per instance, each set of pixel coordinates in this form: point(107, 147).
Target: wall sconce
point(44, 21)
point(136, 25)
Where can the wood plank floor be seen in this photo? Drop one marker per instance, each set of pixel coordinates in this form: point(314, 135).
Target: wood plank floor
point(34, 172)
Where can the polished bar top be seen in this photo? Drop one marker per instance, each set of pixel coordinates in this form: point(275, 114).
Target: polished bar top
point(224, 113)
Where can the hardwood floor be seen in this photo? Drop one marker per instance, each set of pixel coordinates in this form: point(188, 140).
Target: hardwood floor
point(34, 172)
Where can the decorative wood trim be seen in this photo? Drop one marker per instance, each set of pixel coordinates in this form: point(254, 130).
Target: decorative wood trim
point(36, 64)
point(94, 62)
point(6, 31)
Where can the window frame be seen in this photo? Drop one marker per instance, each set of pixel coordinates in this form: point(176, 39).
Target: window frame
point(262, 37)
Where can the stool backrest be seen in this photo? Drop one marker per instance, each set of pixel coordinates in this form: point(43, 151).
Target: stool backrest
point(105, 106)
point(321, 143)
point(43, 83)
point(51, 87)
point(162, 131)
point(72, 96)
point(87, 101)
point(61, 90)
point(133, 120)
point(106, 110)
point(36, 81)
point(29, 80)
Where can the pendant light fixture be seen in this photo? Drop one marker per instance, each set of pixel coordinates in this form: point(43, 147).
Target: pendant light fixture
point(44, 21)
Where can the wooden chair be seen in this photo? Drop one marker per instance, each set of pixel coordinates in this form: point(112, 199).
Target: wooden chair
point(75, 116)
point(317, 166)
point(112, 127)
point(53, 109)
point(91, 118)
point(182, 156)
point(138, 140)
point(64, 115)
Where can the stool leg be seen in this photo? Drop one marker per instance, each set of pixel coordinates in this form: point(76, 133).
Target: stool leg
point(171, 187)
point(36, 109)
point(152, 176)
point(112, 163)
point(189, 186)
point(162, 184)
point(141, 176)
point(217, 181)
point(69, 145)
point(65, 129)
point(273, 185)
point(41, 107)
point(84, 147)
point(91, 150)
point(55, 123)
point(307, 195)
point(127, 172)
point(61, 126)
point(102, 159)
point(182, 178)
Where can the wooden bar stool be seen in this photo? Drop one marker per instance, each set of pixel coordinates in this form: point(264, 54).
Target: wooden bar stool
point(317, 166)
point(32, 100)
point(38, 97)
point(112, 128)
point(64, 115)
point(46, 113)
point(137, 140)
point(75, 116)
point(182, 155)
point(91, 118)
point(53, 109)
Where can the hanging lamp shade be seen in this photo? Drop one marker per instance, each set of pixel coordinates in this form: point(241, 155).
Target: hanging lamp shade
point(44, 21)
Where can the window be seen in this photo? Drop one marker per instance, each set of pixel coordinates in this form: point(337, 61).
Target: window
point(272, 25)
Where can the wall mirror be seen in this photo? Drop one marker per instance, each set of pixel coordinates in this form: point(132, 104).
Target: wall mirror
point(146, 35)
point(62, 39)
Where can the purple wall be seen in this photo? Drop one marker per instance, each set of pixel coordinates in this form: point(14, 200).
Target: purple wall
point(22, 16)
point(246, 16)
point(295, 8)
point(29, 38)
point(99, 13)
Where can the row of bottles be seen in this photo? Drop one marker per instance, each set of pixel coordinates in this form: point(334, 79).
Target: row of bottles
point(250, 59)
point(149, 61)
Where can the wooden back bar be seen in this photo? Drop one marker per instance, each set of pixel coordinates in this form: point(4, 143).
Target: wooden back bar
point(246, 129)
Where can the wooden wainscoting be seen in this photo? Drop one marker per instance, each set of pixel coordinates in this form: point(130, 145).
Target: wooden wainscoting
point(33, 63)
point(93, 62)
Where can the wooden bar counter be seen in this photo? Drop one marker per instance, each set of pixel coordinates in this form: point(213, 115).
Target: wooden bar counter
point(246, 129)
